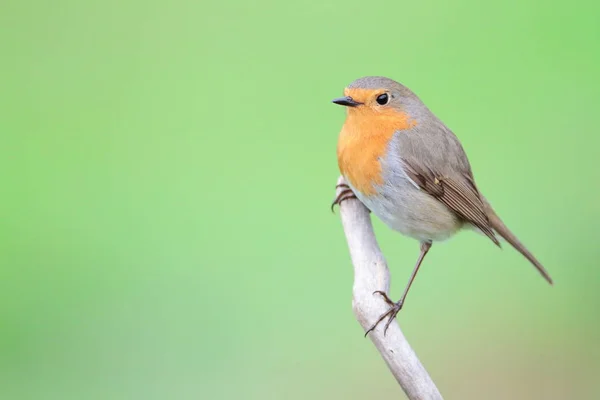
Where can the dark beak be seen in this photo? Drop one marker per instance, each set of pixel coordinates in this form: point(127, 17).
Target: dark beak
point(346, 101)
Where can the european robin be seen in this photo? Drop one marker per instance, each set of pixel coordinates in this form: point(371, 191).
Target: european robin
point(411, 171)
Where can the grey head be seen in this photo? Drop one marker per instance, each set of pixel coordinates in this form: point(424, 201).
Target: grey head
point(381, 82)
point(366, 90)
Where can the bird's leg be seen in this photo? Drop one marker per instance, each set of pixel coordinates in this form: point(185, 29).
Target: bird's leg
point(345, 194)
point(396, 307)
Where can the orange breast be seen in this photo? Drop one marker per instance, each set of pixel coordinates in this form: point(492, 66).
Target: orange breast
point(363, 141)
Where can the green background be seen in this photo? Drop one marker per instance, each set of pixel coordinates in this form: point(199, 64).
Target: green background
point(167, 170)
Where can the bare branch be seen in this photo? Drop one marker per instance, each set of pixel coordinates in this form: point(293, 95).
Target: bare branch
point(370, 274)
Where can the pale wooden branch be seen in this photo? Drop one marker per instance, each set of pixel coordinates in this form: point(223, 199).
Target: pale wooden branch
point(370, 274)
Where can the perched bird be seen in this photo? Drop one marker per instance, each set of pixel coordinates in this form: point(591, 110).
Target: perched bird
point(411, 171)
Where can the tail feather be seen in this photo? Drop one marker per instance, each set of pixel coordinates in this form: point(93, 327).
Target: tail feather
point(503, 231)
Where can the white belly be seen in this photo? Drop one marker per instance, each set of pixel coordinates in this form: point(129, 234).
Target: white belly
point(410, 211)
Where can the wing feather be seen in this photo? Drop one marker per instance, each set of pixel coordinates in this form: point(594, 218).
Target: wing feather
point(457, 192)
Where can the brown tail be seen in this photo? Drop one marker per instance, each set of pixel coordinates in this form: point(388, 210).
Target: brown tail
point(503, 231)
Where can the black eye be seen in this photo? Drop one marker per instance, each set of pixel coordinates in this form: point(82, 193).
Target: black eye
point(383, 99)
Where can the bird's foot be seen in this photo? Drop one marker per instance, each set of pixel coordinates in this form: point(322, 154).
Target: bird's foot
point(391, 313)
point(345, 194)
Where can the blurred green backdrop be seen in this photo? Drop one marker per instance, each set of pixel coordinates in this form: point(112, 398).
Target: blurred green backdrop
point(167, 170)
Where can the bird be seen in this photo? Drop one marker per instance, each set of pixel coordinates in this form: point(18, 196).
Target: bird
point(411, 171)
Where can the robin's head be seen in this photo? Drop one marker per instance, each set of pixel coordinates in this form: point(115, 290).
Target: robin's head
point(380, 97)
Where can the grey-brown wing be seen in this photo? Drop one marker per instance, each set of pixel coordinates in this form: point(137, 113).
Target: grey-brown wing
point(435, 160)
point(458, 193)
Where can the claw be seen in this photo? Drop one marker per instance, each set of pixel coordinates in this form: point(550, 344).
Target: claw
point(392, 316)
point(344, 195)
point(385, 297)
point(390, 313)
